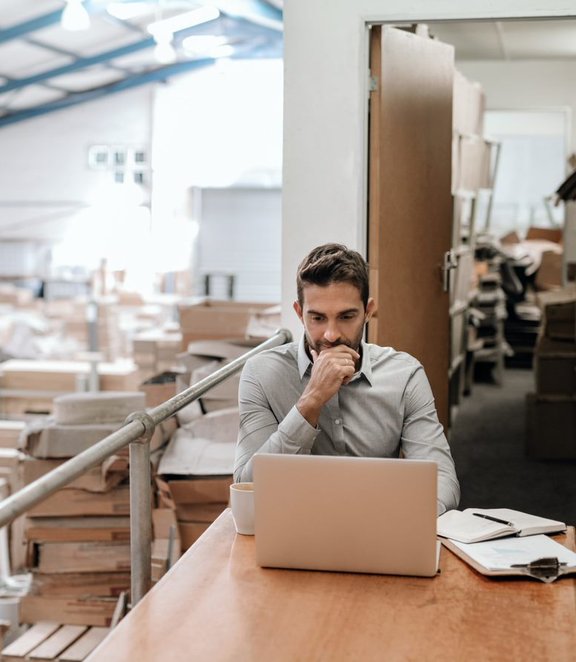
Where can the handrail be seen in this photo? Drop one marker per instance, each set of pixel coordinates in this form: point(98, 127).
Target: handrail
point(136, 431)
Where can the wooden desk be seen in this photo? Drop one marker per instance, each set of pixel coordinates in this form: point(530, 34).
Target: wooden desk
point(216, 604)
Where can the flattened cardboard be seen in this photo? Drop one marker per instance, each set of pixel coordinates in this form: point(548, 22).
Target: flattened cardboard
point(189, 455)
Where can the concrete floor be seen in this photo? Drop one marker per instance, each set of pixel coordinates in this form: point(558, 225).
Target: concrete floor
point(487, 441)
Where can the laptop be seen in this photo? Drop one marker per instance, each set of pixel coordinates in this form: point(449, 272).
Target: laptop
point(347, 514)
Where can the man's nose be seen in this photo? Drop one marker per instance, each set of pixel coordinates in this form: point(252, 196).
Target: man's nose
point(332, 332)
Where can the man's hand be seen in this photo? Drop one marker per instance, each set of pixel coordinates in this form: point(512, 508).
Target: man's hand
point(332, 368)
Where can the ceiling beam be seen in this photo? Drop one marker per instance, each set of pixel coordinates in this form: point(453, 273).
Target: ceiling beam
point(40, 22)
point(231, 28)
point(80, 63)
point(22, 29)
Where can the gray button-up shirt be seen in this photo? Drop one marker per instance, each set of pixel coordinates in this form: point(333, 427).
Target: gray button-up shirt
point(385, 409)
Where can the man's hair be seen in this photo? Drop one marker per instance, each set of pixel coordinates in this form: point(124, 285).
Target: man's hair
point(333, 263)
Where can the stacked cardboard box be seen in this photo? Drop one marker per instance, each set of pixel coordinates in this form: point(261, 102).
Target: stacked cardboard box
point(10, 433)
point(15, 296)
point(209, 320)
point(156, 351)
point(89, 322)
point(166, 546)
point(195, 472)
point(29, 386)
point(78, 538)
point(202, 359)
point(551, 411)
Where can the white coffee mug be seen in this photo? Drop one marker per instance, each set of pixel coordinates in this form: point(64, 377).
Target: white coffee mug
point(242, 504)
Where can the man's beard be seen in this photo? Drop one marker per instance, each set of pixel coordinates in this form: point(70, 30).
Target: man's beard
point(323, 344)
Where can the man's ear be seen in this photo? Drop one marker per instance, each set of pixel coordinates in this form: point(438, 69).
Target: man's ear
point(298, 309)
point(370, 308)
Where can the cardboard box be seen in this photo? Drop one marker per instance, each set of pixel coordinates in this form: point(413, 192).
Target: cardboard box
point(66, 557)
point(264, 323)
point(59, 441)
point(101, 478)
point(190, 532)
point(189, 453)
point(559, 313)
point(166, 547)
point(64, 441)
point(81, 584)
point(10, 433)
point(160, 388)
point(18, 404)
point(210, 319)
point(555, 367)
point(200, 490)
point(64, 376)
point(71, 611)
point(77, 529)
point(550, 427)
point(201, 513)
point(549, 275)
point(73, 503)
point(549, 234)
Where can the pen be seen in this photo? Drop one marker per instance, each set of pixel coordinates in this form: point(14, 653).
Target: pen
point(493, 519)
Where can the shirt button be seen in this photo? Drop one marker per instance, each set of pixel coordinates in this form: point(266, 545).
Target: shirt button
point(337, 421)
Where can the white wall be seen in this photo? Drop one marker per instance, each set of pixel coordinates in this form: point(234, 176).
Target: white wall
point(240, 234)
point(514, 85)
point(221, 127)
point(325, 95)
point(44, 176)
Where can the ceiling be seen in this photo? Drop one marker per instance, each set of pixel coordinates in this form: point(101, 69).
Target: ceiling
point(509, 40)
point(44, 67)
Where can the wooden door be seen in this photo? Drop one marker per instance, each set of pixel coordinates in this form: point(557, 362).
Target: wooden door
point(410, 203)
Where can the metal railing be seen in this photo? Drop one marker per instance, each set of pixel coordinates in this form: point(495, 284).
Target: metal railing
point(136, 431)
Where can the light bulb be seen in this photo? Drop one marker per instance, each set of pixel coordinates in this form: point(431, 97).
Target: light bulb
point(74, 16)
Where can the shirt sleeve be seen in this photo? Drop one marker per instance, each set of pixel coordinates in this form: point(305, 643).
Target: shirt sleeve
point(423, 438)
point(261, 431)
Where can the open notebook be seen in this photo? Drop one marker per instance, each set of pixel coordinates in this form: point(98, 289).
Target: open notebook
point(346, 514)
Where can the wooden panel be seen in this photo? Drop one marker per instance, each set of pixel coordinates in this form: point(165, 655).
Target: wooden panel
point(59, 641)
point(29, 640)
point(410, 215)
point(216, 604)
point(85, 645)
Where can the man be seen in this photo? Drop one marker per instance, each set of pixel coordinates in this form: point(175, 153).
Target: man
point(334, 394)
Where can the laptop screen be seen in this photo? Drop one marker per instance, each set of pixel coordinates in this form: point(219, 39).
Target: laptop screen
point(375, 515)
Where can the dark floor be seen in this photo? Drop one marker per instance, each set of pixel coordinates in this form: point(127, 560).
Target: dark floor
point(487, 442)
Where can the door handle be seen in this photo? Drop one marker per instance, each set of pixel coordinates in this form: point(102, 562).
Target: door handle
point(450, 262)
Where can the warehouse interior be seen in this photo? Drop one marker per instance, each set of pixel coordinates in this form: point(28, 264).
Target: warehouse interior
point(166, 164)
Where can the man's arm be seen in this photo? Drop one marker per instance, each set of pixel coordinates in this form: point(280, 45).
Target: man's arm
point(331, 368)
point(423, 438)
point(260, 428)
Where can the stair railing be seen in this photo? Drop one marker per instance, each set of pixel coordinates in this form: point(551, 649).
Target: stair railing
point(137, 432)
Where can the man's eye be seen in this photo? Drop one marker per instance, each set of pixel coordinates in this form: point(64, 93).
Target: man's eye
point(351, 316)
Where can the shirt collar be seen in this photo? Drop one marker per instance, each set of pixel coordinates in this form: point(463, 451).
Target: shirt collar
point(304, 363)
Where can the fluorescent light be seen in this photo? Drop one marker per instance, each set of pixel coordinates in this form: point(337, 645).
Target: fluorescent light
point(203, 44)
point(127, 10)
point(182, 21)
point(74, 16)
point(164, 50)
